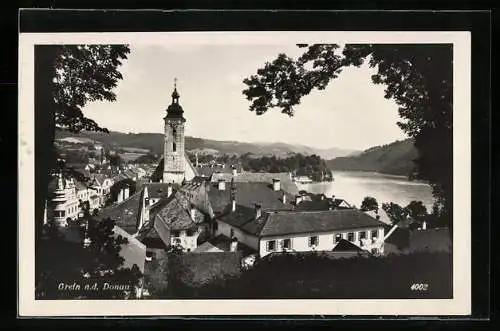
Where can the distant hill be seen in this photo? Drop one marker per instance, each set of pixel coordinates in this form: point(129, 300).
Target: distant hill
point(154, 143)
point(394, 159)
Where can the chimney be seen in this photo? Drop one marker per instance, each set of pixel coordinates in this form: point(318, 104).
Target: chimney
point(126, 191)
point(192, 213)
point(234, 245)
point(233, 205)
point(276, 184)
point(221, 185)
point(284, 198)
point(120, 196)
point(258, 211)
point(169, 190)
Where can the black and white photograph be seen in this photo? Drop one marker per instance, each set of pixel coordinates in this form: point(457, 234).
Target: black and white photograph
point(246, 166)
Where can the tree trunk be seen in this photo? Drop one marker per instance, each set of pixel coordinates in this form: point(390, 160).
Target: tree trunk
point(44, 127)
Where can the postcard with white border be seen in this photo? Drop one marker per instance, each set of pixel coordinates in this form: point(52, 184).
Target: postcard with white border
point(244, 173)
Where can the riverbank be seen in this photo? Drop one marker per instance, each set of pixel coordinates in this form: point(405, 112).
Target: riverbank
point(353, 186)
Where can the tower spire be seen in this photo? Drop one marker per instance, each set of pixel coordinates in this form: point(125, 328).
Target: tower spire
point(175, 94)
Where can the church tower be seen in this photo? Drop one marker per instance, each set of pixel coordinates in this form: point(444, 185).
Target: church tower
point(174, 157)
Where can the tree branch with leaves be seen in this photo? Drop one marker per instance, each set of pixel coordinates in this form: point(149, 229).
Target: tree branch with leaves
point(419, 78)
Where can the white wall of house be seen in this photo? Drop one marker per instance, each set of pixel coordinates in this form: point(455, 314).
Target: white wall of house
point(245, 238)
point(187, 239)
point(325, 241)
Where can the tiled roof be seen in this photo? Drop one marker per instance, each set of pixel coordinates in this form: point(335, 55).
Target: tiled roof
point(346, 246)
point(80, 186)
point(248, 194)
point(244, 219)
point(404, 240)
point(277, 223)
point(293, 222)
point(260, 177)
point(194, 185)
point(125, 213)
point(129, 173)
point(383, 217)
point(174, 213)
point(430, 240)
point(222, 243)
point(206, 171)
point(157, 174)
point(157, 190)
point(207, 246)
point(398, 241)
point(99, 178)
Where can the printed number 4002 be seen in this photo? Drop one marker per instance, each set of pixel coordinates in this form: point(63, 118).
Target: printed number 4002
point(419, 287)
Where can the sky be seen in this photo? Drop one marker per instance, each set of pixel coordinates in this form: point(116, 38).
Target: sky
point(351, 113)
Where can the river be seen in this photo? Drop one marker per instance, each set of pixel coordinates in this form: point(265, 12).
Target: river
point(353, 186)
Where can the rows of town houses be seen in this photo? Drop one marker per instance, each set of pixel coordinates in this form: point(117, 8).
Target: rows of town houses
point(220, 208)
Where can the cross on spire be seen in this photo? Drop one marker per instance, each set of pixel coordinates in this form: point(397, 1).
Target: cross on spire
point(175, 94)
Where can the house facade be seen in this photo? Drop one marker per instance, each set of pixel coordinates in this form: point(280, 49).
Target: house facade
point(369, 239)
point(68, 194)
point(101, 184)
point(301, 231)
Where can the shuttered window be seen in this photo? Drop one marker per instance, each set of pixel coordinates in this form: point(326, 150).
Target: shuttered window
point(271, 245)
point(313, 241)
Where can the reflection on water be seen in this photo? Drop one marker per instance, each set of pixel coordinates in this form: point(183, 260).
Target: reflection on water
point(353, 186)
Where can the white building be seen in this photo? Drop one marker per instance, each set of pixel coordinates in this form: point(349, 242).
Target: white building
point(101, 185)
point(66, 201)
point(301, 231)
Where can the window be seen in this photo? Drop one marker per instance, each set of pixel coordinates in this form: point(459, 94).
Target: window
point(313, 241)
point(362, 235)
point(287, 243)
point(174, 147)
point(337, 238)
point(271, 245)
point(150, 255)
point(189, 233)
point(350, 236)
point(374, 234)
point(175, 233)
